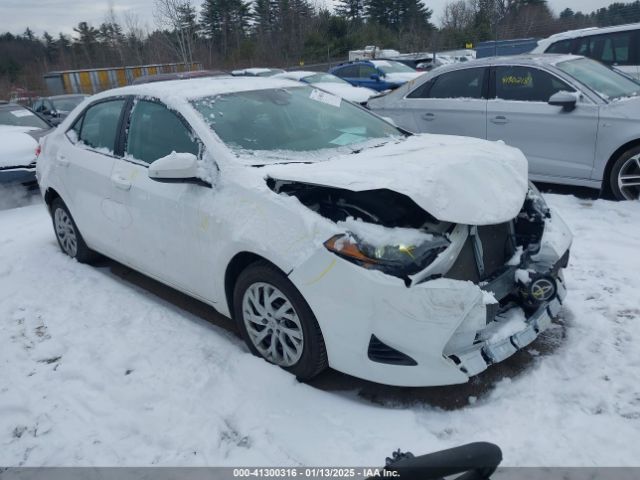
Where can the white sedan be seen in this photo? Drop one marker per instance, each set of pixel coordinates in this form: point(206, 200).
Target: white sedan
point(403, 259)
point(332, 84)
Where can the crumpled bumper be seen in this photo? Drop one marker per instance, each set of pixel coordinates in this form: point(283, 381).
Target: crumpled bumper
point(377, 328)
point(480, 356)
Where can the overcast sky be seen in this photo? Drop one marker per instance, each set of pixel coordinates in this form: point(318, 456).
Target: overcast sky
point(62, 15)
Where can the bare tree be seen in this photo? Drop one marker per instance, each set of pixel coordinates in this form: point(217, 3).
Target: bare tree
point(169, 15)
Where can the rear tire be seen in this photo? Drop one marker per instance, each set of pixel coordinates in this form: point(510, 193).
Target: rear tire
point(276, 322)
point(624, 180)
point(69, 238)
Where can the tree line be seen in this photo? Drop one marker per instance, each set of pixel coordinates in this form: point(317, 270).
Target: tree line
point(225, 34)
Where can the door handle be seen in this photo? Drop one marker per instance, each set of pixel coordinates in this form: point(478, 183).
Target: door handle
point(428, 117)
point(121, 182)
point(62, 160)
point(499, 120)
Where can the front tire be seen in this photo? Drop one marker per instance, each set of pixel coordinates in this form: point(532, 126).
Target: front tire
point(624, 180)
point(276, 322)
point(68, 235)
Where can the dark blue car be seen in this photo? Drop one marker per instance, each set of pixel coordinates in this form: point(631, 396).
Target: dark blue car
point(378, 75)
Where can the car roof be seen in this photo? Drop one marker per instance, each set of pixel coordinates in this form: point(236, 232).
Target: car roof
point(297, 74)
point(67, 95)
point(582, 32)
point(177, 90)
point(525, 59)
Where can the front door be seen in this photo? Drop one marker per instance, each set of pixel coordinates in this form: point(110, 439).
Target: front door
point(163, 239)
point(556, 142)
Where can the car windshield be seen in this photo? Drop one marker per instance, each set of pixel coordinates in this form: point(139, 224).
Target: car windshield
point(388, 66)
point(608, 83)
point(323, 78)
point(21, 117)
point(66, 104)
point(297, 119)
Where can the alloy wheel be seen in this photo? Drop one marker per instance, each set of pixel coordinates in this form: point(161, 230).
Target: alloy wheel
point(66, 232)
point(272, 323)
point(629, 178)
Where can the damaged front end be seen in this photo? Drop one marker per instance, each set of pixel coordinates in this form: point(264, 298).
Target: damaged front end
point(510, 275)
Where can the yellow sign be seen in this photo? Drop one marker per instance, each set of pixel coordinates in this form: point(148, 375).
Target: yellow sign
point(468, 45)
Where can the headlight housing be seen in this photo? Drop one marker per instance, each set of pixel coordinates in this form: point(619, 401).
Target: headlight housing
point(399, 260)
point(537, 201)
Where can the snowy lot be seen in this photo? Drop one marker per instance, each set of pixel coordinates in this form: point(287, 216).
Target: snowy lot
point(101, 366)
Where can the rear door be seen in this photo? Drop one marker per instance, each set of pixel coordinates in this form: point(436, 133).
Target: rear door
point(84, 164)
point(453, 103)
point(557, 143)
point(163, 238)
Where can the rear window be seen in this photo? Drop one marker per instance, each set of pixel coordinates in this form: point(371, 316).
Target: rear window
point(20, 117)
point(99, 127)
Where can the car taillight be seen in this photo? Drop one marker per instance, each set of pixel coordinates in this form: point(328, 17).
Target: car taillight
point(38, 150)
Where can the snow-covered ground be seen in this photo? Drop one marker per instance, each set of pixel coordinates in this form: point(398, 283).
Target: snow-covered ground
point(100, 366)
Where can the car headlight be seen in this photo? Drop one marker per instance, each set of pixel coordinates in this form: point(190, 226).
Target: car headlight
point(537, 201)
point(397, 260)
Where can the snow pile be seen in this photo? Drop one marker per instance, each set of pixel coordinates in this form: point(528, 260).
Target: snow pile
point(98, 371)
point(17, 147)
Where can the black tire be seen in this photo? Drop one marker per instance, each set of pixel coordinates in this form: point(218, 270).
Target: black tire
point(61, 217)
point(313, 358)
point(622, 162)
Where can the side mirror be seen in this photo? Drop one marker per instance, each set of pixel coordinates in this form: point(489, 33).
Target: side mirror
point(176, 168)
point(375, 76)
point(566, 100)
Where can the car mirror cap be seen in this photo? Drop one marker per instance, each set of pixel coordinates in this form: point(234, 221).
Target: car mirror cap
point(566, 100)
point(174, 167)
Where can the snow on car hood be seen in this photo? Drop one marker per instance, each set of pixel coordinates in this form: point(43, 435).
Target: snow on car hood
point(348, 92)
point(455, 179)
point(401, 77)
point(17, 147)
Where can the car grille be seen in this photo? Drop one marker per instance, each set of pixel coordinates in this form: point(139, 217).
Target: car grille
point(497, 249)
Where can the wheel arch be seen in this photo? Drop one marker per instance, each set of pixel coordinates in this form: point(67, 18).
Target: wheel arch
point(50, 195)
point(235, 267)
point(605, 188)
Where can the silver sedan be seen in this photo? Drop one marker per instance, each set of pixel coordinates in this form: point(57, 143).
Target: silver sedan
point(577, 121)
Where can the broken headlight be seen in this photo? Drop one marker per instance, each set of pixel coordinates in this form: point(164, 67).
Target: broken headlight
point(538, 203)
point(397, 260)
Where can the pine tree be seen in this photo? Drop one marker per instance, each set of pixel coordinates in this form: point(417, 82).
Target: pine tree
point(352, 10)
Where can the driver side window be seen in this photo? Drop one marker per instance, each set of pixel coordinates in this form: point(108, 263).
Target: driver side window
point(526, 84)
point(155, 132)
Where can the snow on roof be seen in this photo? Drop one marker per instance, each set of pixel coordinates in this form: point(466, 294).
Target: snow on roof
point(252, 71)
point(296, 75)
point(198, 87)
point(592, 31)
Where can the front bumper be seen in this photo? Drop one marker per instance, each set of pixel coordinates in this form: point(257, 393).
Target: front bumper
point(481, 355)
point(378, 329)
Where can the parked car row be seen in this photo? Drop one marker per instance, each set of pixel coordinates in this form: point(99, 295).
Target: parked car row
point(334, 237)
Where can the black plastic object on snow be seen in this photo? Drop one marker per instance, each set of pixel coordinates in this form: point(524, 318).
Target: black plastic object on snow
point(474, 461)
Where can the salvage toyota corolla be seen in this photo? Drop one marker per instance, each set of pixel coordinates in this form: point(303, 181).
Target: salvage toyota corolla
point(330, 236)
